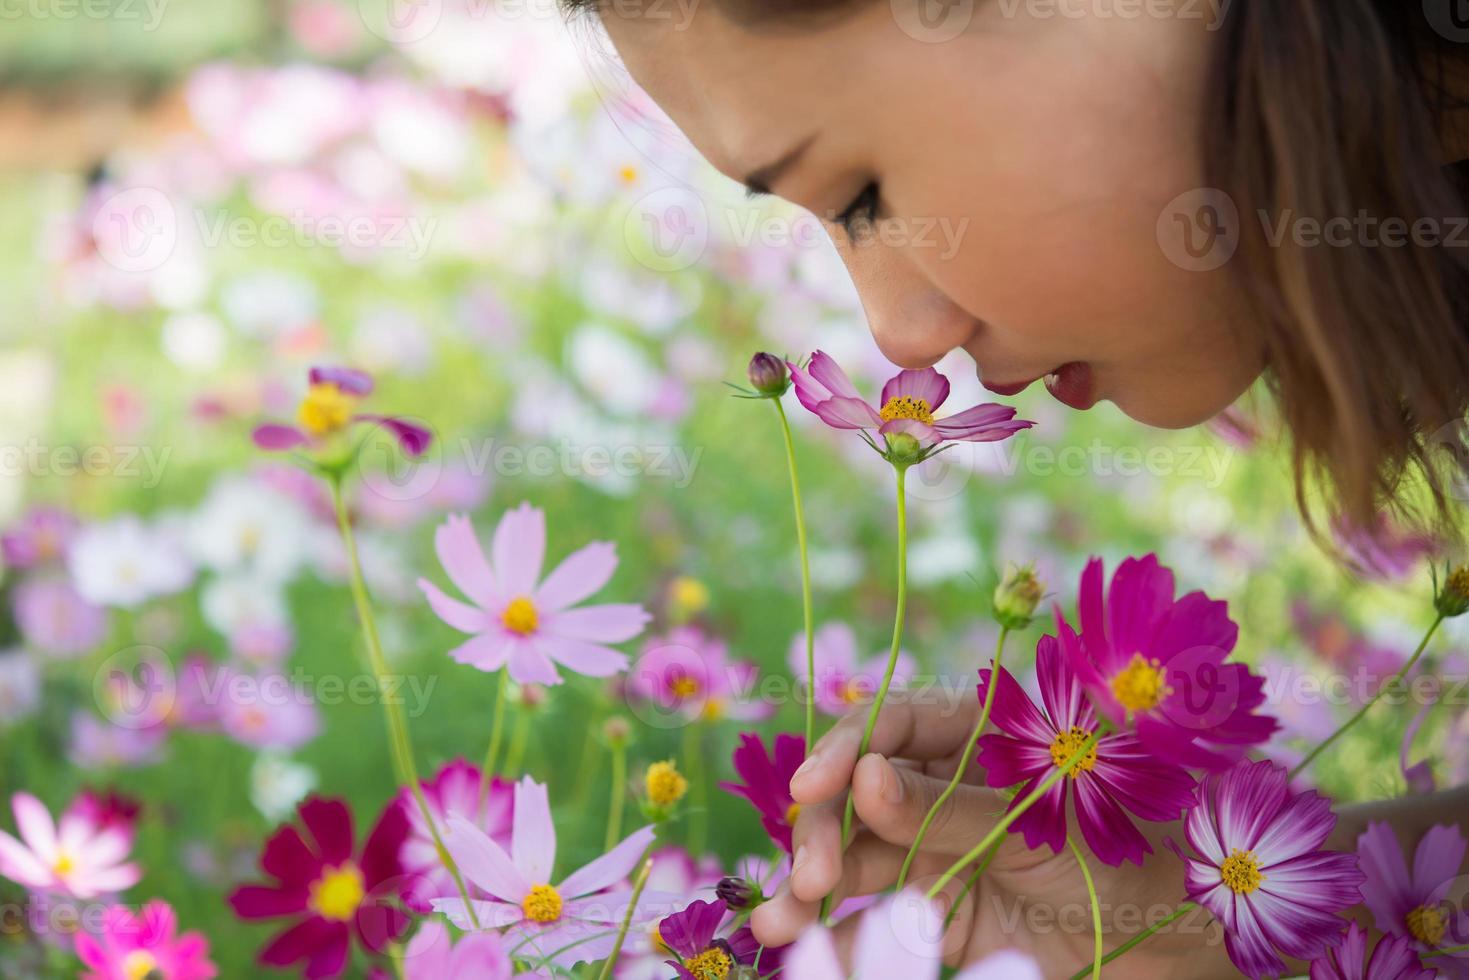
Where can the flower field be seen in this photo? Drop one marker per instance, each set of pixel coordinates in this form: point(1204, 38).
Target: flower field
point(400, 549)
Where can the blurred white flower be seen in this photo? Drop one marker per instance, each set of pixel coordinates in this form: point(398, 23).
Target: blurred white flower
point(244, 526)
point(269, 304)
point(237, 602)
point(125, 562)
point(277, 784)
point(195, 341)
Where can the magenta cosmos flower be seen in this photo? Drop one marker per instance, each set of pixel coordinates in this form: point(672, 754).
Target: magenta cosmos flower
point(899, 938)
point(691, 934)
point(644, 956)
point(842, 681)
point(1159, 662)
point(1417, 902)
point(518, 619)
point(1259, 868)
point(1116, 777)
point(689, 673)
point(457, 788)
point(130, 946)
point(330, 408)
point(1392, 959)
point(560, 925)
point(328, 890)
point(908, 405)
point(767, 781)
point(83, 856)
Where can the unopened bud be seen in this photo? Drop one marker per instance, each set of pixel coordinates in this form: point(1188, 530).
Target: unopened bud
point(616, 730)
point(1017, 596)
point(903, 449)
point(1453, 598)
point(737, 893)
point(768, 375)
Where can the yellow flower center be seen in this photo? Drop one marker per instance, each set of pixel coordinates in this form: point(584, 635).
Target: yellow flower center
point(1241, 872)
point(854, 691)
point(656, 939)
point(1140, 686)
point(542, 904)
point(337, 894)
point(64, 865)
point(690, 595)
point(628, 173)
point(907, 407)
point(520, 616)
point(712, 964)
point(139, 964)
point(683, 686)
point(666, 785)
point(1427, 924)
point(713, 709)
point(325, 409)
point(1066, 745)
point(792, 812)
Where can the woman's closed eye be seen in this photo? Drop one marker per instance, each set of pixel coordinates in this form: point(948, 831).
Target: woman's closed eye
point(858, 216)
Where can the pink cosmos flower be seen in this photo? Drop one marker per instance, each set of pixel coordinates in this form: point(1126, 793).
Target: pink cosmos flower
point(560, 925)
point(517, 618)
point(644, 956)
point(1392, 959)
point(690, 936)
point(56, 620)
point(329, 409)
point(264, 711)
point(767, 781)
point(39, 538)
point(1258, 867)
point(433, 955)
point(456, 788)
point(82, 857)
point(909, 401)
point(328, 890)
point(842, 683)
point(1114, 778)
point(688, 673)
point(130, 946)
point(901, 937)
point(1416, 903)
point(1160, 662)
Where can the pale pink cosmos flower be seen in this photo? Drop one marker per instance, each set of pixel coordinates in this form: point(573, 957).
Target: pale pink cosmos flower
point(83, 857)
point(457, 788)
point(433, 955)
point(688, 673)
point(842, 682)
point(573, 922)
point(520, 620)
point(899, 937)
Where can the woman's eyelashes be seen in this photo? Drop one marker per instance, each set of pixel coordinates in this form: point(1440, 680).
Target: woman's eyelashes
point(858, 216)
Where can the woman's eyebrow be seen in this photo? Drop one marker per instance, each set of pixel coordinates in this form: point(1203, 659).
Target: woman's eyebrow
point(761, 179)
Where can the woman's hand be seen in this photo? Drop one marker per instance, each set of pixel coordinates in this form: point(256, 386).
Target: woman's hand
point(1033, 901)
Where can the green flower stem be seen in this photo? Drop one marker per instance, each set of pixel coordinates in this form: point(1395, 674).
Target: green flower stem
point(806, 604)
point(497, 733)
point(398, 738)
point(979, 871)
point(887, 676)
point(969, 749)
point(1177, 914)
point(618, 801)
point(1361, 712)
point(1091, 894)
point(632, 904)
point(996, 832)
point(693, 771)
point(515, 757)
point(1446, 951)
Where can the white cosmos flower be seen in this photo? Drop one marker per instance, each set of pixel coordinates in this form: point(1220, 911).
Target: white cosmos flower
point(245, 527)
point(125, 562)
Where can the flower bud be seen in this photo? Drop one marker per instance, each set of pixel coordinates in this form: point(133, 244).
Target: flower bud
point(1016, 597)
point(768, 375)
point(737, 893)
point(903, 449)
point(1453, 598)
point(616, 730)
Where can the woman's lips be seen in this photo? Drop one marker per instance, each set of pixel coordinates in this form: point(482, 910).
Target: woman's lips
point(1070, 384)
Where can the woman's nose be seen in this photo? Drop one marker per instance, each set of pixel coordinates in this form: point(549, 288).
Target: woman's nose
point(913, 323)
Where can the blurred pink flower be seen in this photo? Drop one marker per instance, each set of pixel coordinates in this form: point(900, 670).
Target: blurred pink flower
point(83, 857)
point(131, 945)
point(55, 620)
point(1417, 901)
point(97, 743)
point(40, 537)
point(329, 409)
point(520, 620)
point(264, 711)
point(432, 954)
point(841, 682)
point(688, 672)
point(457, 788)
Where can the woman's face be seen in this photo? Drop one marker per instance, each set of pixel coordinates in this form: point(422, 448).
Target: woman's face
point(1047, 138)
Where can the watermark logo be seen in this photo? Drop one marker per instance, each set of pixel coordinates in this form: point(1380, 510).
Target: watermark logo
point(1199, 230)
point(136, 230)
point(667, 230)
point(933, 21)
point(1450, 18)
point(136, 687)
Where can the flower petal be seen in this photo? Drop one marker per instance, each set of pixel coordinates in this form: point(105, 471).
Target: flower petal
point(464, 618)
point(330, 824)
point(530, 665)
point(580, 575)
point(483, 861)
point(274, 437)
point(533, 841)
point(610, 868)
point(518, 549)
point(464, 561)
point(488, 651)
point(610, 623)
point(34, 822)
point(587, 659)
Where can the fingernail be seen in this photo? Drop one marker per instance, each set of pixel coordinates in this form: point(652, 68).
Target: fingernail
point(799, 860)
point(891, 789)
point(812, 763)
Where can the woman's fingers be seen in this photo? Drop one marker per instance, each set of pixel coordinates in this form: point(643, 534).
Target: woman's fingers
point(892, 801)
point(816, 843)
point(915, 732)
point(870, 866)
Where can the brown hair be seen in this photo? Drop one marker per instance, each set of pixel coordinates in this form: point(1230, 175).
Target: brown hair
point(1329, 109)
